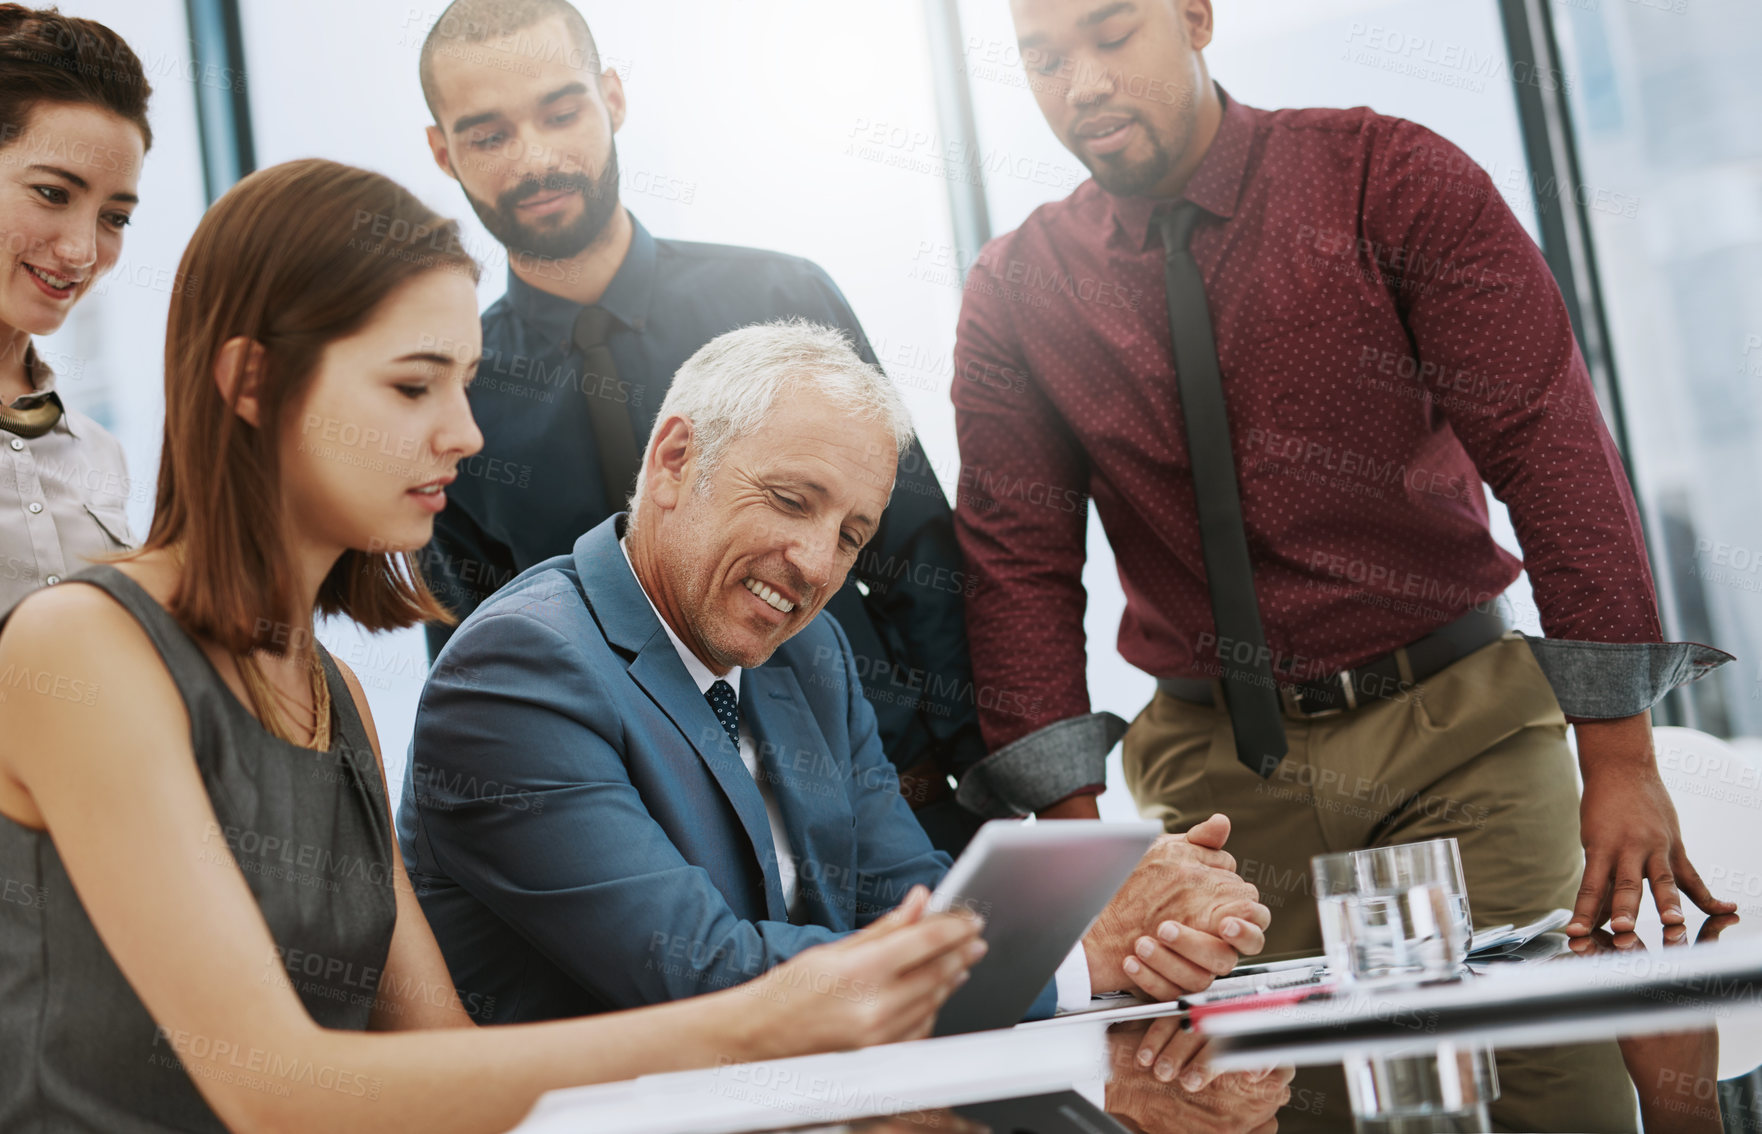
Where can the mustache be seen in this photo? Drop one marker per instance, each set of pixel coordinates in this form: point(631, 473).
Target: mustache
point(549, 183)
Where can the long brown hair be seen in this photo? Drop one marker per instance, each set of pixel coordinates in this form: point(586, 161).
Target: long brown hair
point(48, 57)
point(292, 257)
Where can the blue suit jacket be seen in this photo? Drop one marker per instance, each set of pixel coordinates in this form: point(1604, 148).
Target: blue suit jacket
point(581, 832)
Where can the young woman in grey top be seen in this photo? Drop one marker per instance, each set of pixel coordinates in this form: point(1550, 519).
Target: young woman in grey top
point(73, 131)
point(208, 910)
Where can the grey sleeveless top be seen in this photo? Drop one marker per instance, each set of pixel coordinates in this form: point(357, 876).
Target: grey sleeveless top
point(309, 830)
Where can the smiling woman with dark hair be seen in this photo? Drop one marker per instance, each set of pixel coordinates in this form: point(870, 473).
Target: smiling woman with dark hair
point(73, 131)
point(191, 791)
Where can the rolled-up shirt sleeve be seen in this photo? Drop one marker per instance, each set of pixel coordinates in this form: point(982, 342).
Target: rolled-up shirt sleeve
point(1021, 515)
point(1525, 411)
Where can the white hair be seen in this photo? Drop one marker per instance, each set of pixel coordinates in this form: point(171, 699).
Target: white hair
point(726, 390)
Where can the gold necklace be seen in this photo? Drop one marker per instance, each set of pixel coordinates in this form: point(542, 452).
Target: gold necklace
point(32, 422)
point(264, 697)
point(39, 417)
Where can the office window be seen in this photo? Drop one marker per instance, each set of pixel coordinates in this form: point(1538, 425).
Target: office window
point(1665, 108)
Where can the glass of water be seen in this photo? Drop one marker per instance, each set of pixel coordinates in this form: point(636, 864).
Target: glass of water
point(1446, 1090)
point(1382, 867)
point(1396, 912)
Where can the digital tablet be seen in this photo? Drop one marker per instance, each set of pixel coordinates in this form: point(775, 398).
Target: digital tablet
point(1039, 886)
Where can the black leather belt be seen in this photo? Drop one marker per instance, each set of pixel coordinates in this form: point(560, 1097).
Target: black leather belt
point(1386, 678)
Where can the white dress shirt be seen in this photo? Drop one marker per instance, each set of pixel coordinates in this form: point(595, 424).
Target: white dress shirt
point(749, 752)
point(61, 497)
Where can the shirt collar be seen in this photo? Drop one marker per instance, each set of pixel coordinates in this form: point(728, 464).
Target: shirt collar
point(1216, 186)
point(42, 380)
point(700, 672)
point(627, 296)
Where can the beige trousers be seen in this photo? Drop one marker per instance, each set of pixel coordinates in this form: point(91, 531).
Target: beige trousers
point(1477, 752)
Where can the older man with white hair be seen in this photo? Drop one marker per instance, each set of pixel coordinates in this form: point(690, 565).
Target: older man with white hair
point(647, 769)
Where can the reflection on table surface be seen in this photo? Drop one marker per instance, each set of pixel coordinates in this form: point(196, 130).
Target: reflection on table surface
point(1578, 1033)
point(1235, 1103)
point(1674, 1074)
point(1597, 988)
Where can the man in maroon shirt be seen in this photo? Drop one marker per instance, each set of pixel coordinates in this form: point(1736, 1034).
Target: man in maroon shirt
point(1386, 338)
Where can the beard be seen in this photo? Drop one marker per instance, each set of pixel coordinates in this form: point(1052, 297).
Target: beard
point(1138, 179)
point(599, 197)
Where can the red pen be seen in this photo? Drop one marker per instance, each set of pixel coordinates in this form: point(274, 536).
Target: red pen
point(1276, 998)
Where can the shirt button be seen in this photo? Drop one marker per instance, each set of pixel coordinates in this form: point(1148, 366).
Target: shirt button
point(52, 580)
point(35, 508)
point(17, 445)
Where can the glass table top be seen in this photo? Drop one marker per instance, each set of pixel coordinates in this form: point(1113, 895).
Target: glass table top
point(1572, 1062)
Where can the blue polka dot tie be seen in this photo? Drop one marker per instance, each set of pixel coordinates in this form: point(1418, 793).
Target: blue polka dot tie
point(727, 708)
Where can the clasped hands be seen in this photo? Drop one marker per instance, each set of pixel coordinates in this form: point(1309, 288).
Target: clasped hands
point(1181, 920)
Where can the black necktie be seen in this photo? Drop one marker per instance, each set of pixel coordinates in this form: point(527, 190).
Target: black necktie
point(721, 697)
point(1249, 691)
point(614, 436)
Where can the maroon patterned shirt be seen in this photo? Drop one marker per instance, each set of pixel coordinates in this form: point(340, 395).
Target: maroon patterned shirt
point(1388, 336)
